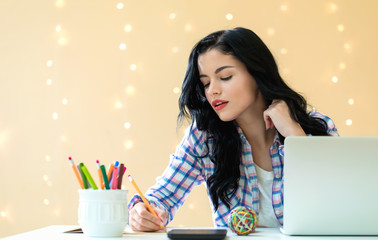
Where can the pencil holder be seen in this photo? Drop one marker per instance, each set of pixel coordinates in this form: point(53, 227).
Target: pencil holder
point(103, 213)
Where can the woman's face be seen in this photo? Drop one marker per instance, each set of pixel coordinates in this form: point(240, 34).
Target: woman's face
point(229, 88)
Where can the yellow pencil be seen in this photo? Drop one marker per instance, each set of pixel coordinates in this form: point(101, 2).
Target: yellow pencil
point(144, 199)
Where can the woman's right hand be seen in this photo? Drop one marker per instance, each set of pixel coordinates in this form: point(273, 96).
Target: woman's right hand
point(141, 220)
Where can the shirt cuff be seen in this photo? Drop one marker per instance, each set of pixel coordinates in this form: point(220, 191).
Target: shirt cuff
point(134, 200)
point(137, 199)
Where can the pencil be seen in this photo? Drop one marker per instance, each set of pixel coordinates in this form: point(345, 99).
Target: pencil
point(76, 173)
point(88, 176)
point(85, 182)
point(110, 171)
point(144, 199)
point(120, 175)
point(115, 177)
point(100, 174)
point(106, 182)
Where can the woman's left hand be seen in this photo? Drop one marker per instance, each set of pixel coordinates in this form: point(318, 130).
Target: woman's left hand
point(278, 115)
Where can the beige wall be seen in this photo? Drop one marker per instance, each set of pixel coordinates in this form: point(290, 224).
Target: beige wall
point(94, 92)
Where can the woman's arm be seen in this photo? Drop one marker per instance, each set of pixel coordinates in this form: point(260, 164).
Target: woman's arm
point(172, 188)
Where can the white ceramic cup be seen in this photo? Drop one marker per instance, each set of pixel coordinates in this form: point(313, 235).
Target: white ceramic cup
point(103, 213)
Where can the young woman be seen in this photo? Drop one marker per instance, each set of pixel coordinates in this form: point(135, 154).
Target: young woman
point(241, 112)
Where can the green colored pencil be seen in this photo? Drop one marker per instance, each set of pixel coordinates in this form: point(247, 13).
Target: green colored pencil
point(88, 176)
point(106, 182)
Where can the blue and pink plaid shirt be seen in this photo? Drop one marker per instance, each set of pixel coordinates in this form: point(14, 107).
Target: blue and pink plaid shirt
point(185, 171)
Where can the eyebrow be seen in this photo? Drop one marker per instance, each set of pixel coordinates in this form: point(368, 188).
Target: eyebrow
point(217, 71)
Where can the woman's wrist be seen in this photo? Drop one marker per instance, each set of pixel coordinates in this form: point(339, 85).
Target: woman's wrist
point(297, 131)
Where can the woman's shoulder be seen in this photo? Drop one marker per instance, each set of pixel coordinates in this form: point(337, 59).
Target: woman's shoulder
point(332, 130)
point(315, 114)
point(195, 141)
point(194, 135)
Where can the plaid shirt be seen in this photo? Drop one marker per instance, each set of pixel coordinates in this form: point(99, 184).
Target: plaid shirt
point(186, 171)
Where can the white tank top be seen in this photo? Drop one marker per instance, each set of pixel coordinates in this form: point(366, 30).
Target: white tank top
point(267, 218)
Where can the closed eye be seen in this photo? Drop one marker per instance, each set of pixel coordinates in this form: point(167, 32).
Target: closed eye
point(226, 78)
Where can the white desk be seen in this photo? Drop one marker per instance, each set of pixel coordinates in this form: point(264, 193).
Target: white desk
point(57, 233)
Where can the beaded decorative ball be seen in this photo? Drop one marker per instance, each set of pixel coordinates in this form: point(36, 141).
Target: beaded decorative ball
point(242, 220)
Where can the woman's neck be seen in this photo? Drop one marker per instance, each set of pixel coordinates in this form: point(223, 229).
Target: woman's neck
point(253, 125)
point(256, 133)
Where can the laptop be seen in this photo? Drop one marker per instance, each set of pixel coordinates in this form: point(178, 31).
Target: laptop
point(330, 186)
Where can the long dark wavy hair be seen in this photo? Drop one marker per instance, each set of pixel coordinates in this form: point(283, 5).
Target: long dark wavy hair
point(248, 48)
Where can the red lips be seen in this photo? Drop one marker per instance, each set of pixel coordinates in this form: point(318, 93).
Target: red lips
point(219, 104)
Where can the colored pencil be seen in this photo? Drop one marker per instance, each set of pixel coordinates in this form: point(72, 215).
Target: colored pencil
point(76, 173)
point(106, 182)
point(85, 181)
point(110, 171)
point(88, 176)
point(115, 177)
point(100, 174)
point(120, 175)
point(144, 199)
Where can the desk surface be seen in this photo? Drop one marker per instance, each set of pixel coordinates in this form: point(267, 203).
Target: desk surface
point(56, 232)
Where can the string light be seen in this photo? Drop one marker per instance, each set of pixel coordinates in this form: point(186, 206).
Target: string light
point(63, 138)
point(341, 28)
point(172, 16)
point(335, 79)
point(49, 82)
point(332, 7)
point(122, 46)
point(58, 28)
point(229, 16)
point(342, 66)
point(2, 214)
point(127, 125)
point(45, 178)
point(118, 105)
point(49, 63)
point(283, 51)
point(46, 202)
point(176, 90)
point(129, 144)
point(188, 27)
point(130, 90)
point(48, 158)
point(55, 116)
point(348, 122)
point(271, 31)
point(283, 7)
point(175, 49)
point(351, 101)
point(59, 3)
point(128, 28)
point(62, 41)
point(347, 46)
point(57, 212)
point(133, 67)
point(120, 6)
point(64, 101)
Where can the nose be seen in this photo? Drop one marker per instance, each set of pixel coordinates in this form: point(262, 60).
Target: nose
point(214, 88)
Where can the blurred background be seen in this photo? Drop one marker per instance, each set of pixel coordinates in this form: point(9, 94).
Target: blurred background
point(100, 80)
